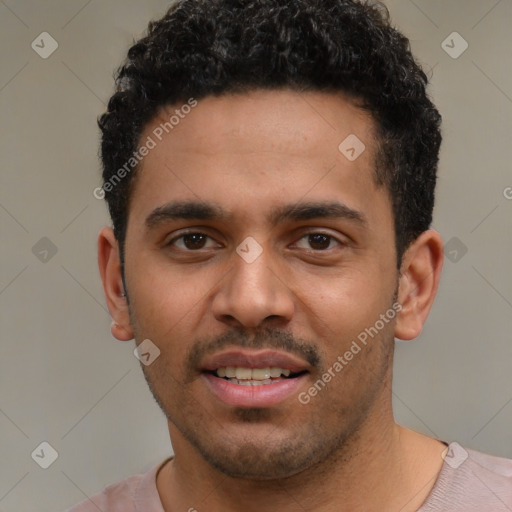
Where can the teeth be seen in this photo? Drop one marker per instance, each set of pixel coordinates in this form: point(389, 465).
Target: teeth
point(243, 373)
point(275, 372)
point(252, 382)
point(261, 373)
point(252, 374)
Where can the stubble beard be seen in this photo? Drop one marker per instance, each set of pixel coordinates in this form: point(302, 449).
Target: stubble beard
point(310, 447)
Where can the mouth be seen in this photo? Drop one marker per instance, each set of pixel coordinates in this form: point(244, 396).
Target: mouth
point(254, 379)
point(254, 376)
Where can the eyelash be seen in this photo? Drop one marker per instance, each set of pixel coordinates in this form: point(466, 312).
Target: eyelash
point(327, 235)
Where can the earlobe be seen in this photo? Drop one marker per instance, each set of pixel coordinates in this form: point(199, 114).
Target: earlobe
point(418, 283)
point(111, 277)
point(119, 332)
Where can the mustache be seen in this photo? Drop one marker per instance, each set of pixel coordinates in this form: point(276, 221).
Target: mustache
point(268, 338)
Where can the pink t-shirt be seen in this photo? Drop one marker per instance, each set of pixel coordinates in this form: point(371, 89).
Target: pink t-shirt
point(469, 481)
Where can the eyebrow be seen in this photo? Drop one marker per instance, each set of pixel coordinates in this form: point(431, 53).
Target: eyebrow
point(184, 210)
point(316, 210)
point(197, 210)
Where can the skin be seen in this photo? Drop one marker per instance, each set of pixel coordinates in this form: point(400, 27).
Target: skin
point(250, 154)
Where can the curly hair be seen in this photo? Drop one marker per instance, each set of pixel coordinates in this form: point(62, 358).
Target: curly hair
point(214, 47)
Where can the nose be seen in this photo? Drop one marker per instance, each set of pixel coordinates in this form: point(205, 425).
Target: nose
point(252, 294)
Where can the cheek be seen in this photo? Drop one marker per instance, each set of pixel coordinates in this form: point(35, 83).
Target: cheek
point(165, 309)
point(345, 305)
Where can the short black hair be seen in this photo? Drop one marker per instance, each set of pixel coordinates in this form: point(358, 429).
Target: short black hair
point(213, 47)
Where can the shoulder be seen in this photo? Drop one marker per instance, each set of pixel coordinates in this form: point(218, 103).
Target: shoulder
point(118, 496)
point(471, 481)
point(125, 496)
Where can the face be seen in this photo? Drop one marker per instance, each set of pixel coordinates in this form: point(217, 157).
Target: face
point(256, 254)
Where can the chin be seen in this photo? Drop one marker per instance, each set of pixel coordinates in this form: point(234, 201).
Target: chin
point(259, 462)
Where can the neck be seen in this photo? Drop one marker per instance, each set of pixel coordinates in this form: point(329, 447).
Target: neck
point(382, 467)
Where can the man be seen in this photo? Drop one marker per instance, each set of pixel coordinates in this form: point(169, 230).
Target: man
point(270, 170)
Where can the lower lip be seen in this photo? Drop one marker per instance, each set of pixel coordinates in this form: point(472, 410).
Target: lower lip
point(266, 395)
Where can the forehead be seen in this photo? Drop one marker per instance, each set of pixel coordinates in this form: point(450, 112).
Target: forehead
point(260, 148)
point(267, 121)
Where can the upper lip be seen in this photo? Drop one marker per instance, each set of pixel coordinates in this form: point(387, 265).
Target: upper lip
point(255, 359)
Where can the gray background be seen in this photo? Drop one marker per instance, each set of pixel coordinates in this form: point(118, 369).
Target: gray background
point(64, 380)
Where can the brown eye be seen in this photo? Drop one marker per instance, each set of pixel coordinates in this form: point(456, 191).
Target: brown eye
point(318, 242)
point(193, 242)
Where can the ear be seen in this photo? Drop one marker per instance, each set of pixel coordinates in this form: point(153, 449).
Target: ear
point(419, 279)
point(110, 270)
